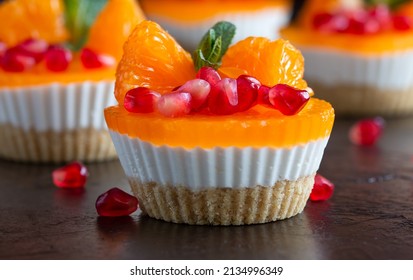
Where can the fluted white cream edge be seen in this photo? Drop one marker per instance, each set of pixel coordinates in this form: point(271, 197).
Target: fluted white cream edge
point(57, 107)
point(230, 167)
point(390, 70)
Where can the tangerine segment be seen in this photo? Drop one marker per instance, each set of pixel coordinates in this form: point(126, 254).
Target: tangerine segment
point(22, 19)
point(113, 26)
point(257, 127)
point(201, 9)
point(153, 59)
point(271, 62)
point(371, 44)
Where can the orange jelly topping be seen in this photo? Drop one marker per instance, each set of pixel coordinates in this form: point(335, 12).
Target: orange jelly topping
point(40, 75)
point(194, 10)
point(257, 127)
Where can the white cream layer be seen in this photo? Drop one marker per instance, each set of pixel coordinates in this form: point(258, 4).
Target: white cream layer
point(383, 71)
point(266, 23)
point(218, 167)
point(57, 107)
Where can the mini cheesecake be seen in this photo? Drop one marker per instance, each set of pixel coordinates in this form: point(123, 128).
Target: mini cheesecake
point(364, 69)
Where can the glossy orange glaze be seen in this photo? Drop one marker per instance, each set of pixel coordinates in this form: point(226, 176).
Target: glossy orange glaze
point(377, 43)
point(40, 75)
point(257, 127)
point(190, 10)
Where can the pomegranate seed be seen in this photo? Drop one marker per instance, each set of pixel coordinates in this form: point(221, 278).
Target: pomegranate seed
point(208, 74)
point(57, 59)
point(175, 104)
point(199, 90)
point(322, 21)
point(366, 132)
point(323, 189)
point(141, 100)
point(382, 14)
point(14, 61)
point(247, 88)
point(340, 23)
point(72, 175)
point(223, 98)
point(362, 26)
point(35, 48)
point(3, 48)
point(263, 96)
point(402, 23)
point(116, 203)
point(288, 100)
point(91, 59)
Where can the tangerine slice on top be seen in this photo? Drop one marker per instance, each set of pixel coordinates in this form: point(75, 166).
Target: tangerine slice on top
point(153, 59)
point(22, 19)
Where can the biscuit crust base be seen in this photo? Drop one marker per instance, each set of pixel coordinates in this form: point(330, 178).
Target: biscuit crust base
point(85, 144)
point(368, 101)
point(223, 206)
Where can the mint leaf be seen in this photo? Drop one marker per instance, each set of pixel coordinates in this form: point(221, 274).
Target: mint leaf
point(79, 17)
point(393, 4)
point(214, 45)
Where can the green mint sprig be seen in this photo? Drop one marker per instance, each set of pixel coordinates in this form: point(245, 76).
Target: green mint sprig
point(393, 4)
point(79, 17)
point(214, 45)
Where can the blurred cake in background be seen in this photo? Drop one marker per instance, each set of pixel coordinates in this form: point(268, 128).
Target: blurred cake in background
point(57, 72)
point(188, 20)
point(358, 56)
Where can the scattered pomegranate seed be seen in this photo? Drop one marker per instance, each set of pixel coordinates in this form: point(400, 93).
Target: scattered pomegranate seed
point(199, 90)
point(57, 59)
point(175, 104)
point(247, 88)
point(91, 59)
point(323, 189)
point(366, 132)
point(288, 100)
point(116, 203)
point(14, 61)
point(35, 48)
point(141, 100)
point(402, 23)
point(72, 175)
point(209, 74)
point(223, 98)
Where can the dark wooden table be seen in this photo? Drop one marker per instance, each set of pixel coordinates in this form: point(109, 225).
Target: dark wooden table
point(369, 217)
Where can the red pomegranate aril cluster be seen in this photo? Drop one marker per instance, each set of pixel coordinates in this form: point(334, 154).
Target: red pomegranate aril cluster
point(322, 190)
point(57, 58)
point(361, 21)
point(208, 93)
point(116, 203)
point(366, 132)
point(72, 175)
